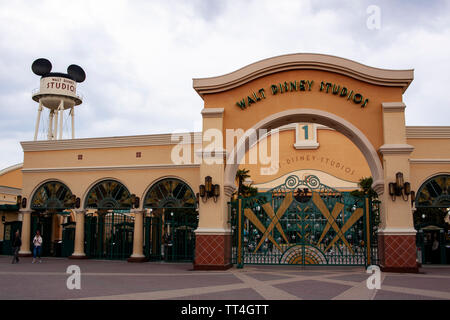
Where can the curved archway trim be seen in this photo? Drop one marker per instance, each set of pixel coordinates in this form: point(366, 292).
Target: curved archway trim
point(309, 115)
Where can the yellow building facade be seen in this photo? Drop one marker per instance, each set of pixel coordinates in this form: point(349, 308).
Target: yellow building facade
point(171, 196)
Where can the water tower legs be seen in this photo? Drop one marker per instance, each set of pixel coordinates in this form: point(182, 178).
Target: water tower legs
point(50, 124)
point(38, 120)
point(72, 113)
point(61, 118)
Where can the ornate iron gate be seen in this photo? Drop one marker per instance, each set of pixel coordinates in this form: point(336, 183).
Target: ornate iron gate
point(303, 222)
point(109, 235)
point(170, 236)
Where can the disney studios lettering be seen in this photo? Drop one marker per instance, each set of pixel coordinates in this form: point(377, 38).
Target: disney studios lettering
point(304, 86)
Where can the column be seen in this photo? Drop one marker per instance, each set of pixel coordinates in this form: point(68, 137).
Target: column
point(25, 234)
point(396, 235)
point(78, 252)
point(138, 237)
point(213, 235)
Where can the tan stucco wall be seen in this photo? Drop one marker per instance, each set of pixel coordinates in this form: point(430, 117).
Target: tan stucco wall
point(368, 119)
point(426, 157)
point(336, 155)
point(12, 178)
point(430, 148)
point(100, 157)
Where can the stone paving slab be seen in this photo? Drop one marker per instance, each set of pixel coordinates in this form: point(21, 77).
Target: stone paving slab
point(388, 295)
point(425, 283)
point(313, 290)
point(243, 294)
point(102, 279)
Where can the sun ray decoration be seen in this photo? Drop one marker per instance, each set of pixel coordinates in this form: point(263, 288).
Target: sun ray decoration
point(434, 193)
point(109, 194)
point(52, 195)
point(170, 192)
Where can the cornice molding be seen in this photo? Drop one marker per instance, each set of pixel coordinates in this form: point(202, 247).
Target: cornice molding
point(302, 61)
point(211, 154)
point(393, 106)
point(430, 161)
point(212, 231)
point(397, 231)
point(11, 168)
point(431, 132)
point(10, 190)
point(110, 168)
point(396, 149)
point(212, 112)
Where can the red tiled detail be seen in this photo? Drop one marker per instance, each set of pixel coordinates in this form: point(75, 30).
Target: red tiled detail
point(213, 250)
point(397, 251)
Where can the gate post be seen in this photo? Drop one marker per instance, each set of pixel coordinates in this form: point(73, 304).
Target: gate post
point(78, 252)
point(397, 236)
point(25, 234)
point(138, 237)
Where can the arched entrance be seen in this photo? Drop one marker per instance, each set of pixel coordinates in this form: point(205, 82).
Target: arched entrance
point(169, 226)
point(109, 224)
point(51, 204)
point(308, 115)
point(432, 220)
point(361, 102)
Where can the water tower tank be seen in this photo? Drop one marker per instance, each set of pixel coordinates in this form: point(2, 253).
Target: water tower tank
point(57, 92)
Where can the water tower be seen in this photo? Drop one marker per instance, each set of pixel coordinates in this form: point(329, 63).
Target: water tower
point(57, 93)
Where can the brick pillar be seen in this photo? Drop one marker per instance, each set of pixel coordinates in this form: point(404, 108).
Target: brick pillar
point(212, 250)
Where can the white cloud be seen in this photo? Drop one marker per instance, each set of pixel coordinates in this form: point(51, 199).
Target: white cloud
point(140, 56)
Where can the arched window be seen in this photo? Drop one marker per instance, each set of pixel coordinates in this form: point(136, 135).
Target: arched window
point(108, 194)
point(434, 193)
point(170, 193)
point(52, 195)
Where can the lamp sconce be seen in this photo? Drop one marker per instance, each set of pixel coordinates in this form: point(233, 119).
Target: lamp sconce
point(24, 203)
point(19, 200)
point(400, 188)
point(135, 201)
point(209, 190)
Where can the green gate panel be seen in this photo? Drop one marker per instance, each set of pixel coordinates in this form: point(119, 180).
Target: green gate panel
point(303, 222)
point(109, 236)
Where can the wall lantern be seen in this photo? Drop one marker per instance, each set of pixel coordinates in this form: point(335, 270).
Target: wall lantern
point(77, 203)
point(24, 203)
point(209, 190)
point(400, 188)
point(135, 201)
point(19, 200)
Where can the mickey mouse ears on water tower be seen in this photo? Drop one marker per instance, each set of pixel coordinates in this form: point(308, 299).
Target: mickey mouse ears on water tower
point(42, 67)
point(76, 72)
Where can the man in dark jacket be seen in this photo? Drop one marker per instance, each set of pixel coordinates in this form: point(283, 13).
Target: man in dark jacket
point(17, 243)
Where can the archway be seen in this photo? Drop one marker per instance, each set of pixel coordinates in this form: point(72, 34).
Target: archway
point(109, 225)
point(432, 219)
point(308, 115)
point(173, 218)
point(49, 203)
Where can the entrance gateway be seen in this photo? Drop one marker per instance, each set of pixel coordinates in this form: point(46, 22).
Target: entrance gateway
point(365, 104)
point(304, 222)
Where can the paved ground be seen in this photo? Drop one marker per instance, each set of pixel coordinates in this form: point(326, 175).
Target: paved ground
point(123, 280)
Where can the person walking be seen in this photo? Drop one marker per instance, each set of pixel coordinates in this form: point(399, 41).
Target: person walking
point(17, 243)
point(37, 246)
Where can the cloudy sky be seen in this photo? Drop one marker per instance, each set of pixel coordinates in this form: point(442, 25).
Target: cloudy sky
point(140, 56)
